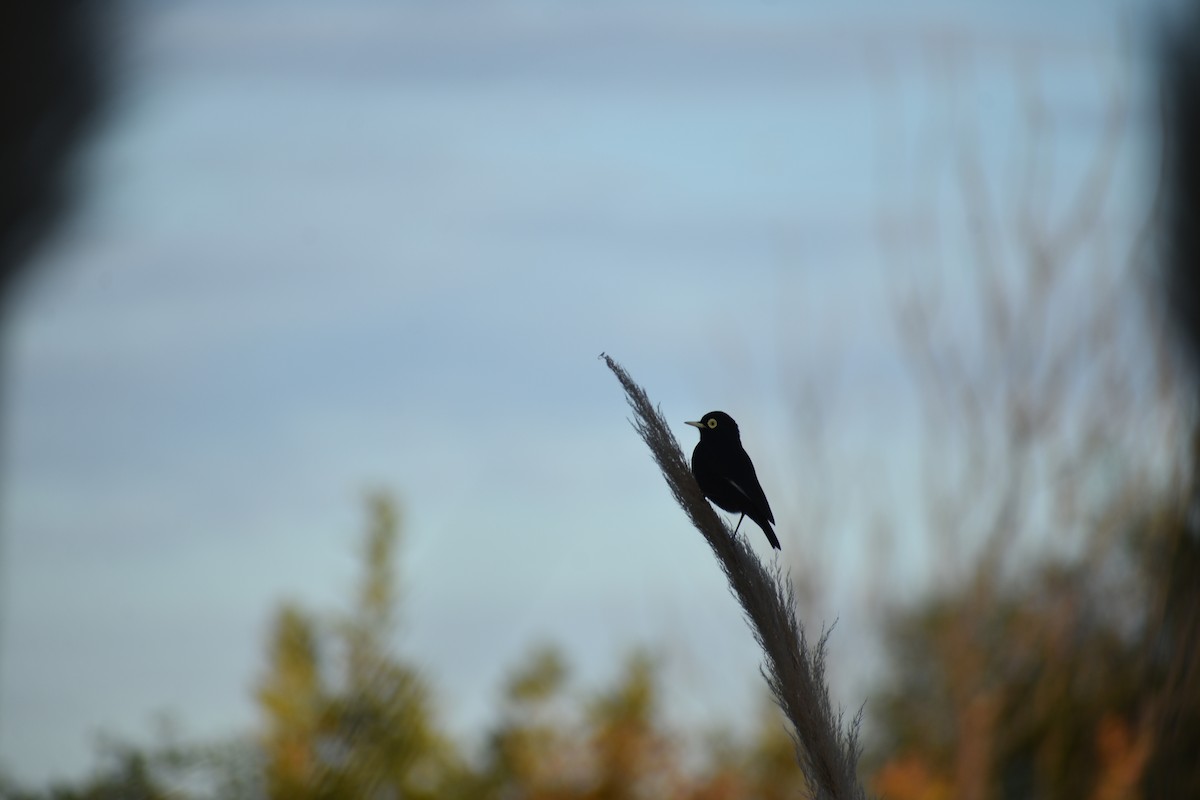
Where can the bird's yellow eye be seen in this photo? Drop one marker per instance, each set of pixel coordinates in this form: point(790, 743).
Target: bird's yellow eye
point(712, 423)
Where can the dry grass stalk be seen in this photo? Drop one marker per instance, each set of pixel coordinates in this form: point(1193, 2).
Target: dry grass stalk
point(827, 749)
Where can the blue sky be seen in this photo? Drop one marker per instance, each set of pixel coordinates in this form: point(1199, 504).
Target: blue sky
point(331, 247)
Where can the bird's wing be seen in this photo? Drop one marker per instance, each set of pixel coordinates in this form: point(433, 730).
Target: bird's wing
point(750, 487)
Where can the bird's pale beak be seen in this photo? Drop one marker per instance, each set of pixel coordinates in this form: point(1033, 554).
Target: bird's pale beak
point(695, 424)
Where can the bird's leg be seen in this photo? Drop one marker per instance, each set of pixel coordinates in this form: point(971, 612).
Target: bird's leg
point(735, 530)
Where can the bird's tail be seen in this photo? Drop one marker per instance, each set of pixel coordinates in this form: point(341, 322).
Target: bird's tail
point(766, 526)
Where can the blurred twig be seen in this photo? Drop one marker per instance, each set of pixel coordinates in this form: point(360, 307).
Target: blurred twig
point(827, 750)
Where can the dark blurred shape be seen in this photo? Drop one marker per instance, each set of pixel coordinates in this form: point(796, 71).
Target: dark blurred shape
point(1173, 564)
point(53, 81)
point(1173, 770)
point(52, 86)
point(1181, 176)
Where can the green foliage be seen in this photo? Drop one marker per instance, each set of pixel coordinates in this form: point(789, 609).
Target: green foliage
point(293, 704)
point(762, 766)
point(126, 774)
point(533, 751)
point(615, 744)
point(358, 722)
point(541, 678)
point(343, 716)
point(770, 759)
point(172, 768)
point(1049, 690)
point(631, 753)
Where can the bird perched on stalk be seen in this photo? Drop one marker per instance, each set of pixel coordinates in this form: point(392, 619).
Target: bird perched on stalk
point(726, 474)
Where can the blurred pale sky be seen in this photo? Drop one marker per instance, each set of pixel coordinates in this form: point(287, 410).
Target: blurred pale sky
point(328, 247)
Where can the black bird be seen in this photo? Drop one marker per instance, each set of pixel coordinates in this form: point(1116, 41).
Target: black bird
point(726, 475)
